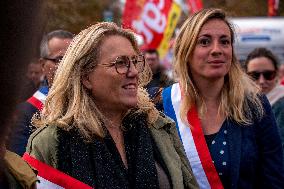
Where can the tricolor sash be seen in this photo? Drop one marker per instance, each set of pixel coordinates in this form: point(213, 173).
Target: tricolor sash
point(51, 178)
point(38, 99)
point(193, 139)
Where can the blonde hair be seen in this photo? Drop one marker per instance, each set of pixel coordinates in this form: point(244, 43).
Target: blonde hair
point(69, 104)
point(239, 93)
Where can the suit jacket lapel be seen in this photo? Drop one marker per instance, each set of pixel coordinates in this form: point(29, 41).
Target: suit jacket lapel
point(235, 138)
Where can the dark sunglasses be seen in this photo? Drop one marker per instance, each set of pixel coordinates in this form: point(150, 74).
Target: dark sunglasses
point(55, 60)
point(122, 63)
point(268, 75)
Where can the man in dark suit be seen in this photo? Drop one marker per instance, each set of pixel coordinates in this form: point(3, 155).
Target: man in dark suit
point(52, 50)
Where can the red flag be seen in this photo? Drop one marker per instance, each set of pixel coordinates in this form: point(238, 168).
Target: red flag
point(194, 5)
point(155, 20)
point(272, 7)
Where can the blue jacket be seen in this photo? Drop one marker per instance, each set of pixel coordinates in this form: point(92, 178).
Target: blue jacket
point(256, 158)
point(256, 153)
point(22, 127)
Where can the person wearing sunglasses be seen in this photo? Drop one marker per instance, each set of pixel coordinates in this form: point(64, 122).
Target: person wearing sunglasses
point(263, 67)
point(98, 128)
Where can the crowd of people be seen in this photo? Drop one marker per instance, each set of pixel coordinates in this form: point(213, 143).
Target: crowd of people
point(104, 113)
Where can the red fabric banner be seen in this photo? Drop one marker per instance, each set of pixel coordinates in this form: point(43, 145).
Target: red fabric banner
point(35, 102)
point(52, 178)
point(148, 18)
point(194, 5)
point(202, 149)
point(272, 7)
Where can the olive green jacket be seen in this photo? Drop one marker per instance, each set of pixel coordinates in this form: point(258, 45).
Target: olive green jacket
point(43, 146)
point(19, 174)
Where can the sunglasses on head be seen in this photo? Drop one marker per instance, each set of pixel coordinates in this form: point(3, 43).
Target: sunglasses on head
point(268, 74)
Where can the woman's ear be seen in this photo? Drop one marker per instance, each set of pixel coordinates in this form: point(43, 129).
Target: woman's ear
point(86, 81)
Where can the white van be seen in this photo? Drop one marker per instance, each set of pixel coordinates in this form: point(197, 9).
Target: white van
point(259, 32)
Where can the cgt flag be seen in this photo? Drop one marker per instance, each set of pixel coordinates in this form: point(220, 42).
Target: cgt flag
point(155, 20)
point(194, 5)
point(272, 7)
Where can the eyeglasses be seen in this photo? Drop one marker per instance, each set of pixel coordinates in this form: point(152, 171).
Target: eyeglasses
point(55, 60)
point(268, 74)
point(122, 63)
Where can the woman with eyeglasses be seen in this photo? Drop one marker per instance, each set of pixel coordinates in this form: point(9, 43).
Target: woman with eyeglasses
point(225, 124)
point(263, 66)
point(98, 128)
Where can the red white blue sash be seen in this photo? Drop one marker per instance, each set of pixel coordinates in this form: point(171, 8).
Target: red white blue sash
point(193, 139)
point(51, 178)
point(38, 99)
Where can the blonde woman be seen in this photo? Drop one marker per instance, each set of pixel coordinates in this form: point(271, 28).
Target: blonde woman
point(227, 127)
point(98, 126)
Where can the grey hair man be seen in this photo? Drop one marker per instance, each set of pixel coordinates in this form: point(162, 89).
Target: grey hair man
point(52, 49)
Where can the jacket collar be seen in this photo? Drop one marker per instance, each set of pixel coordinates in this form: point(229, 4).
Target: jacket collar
point(162, 122)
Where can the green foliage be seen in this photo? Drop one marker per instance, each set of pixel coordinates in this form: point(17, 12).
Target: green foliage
point(76, 15)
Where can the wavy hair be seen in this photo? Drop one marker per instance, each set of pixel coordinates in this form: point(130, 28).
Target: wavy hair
point(239, 93)
point(69, 104)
